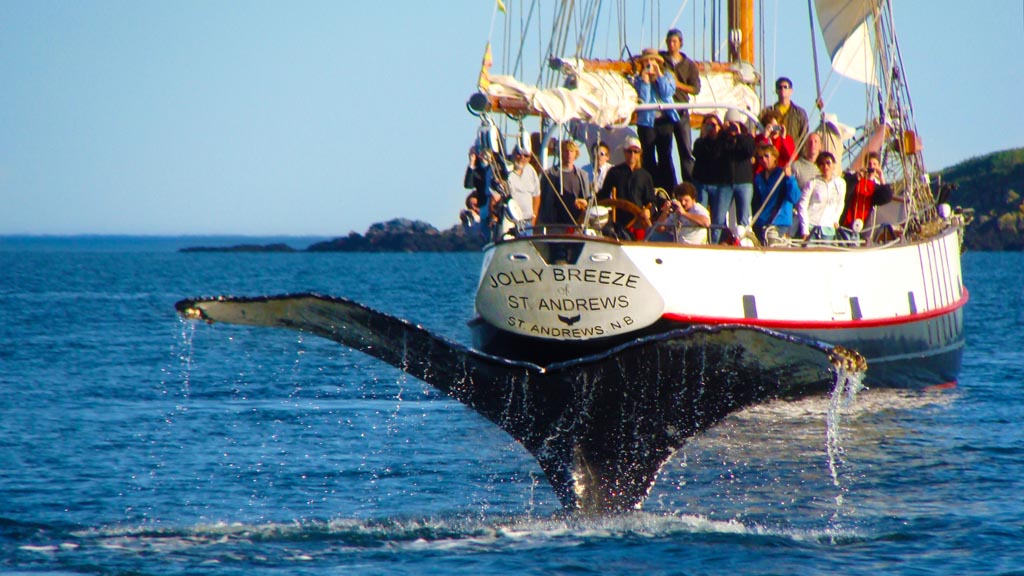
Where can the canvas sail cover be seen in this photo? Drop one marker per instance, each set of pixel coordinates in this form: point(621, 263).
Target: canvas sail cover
point(602, 98)
point(845, 25)
point(726, 88)
point(606, 99)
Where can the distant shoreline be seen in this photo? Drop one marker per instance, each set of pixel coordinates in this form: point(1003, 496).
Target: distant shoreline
point(140, 242)
point(397, 235)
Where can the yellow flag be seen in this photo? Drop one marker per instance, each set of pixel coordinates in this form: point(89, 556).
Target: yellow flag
point(485, 65)
point(501, 6)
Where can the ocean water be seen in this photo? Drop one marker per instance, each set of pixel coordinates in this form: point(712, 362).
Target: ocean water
point(132, 442)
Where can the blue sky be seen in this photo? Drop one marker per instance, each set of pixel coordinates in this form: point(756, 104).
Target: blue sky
point(321, 118)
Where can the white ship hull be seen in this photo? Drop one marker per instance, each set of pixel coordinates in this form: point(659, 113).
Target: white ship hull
point(548, 298)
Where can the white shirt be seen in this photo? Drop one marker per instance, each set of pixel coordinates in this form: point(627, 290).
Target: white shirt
point(689, 231)
point(597, 176)
point(524, 188)
point(821, 204)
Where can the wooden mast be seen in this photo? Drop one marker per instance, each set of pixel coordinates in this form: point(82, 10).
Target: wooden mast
point(741, 31)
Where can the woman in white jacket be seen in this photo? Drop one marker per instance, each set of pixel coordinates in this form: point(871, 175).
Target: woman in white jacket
point(822, 201)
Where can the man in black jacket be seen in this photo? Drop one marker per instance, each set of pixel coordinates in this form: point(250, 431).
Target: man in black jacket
point(629, 181)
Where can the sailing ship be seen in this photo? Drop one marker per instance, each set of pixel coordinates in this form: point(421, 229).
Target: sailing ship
point(603, 356)
point(895, 293)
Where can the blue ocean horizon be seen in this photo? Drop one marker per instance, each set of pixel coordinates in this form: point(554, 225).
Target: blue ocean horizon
point(134, 442)
point(135, 242)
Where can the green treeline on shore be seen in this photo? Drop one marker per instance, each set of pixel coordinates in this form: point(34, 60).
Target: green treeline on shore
point(992, 186)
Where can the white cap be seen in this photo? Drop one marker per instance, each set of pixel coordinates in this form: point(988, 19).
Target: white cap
point(733, 115)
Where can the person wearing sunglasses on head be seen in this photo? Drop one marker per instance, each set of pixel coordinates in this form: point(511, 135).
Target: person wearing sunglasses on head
point(599, 166)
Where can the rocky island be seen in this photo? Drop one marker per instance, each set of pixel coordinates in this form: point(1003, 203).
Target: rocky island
point(397, 235)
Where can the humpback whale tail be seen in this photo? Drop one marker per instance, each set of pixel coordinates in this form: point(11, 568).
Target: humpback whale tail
point(600, 426)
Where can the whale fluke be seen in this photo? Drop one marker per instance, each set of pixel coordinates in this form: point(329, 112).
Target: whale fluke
point(600, 426)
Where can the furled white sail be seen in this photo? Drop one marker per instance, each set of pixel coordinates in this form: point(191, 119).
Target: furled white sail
point(602, 98)
point(845, 27)
point(726, 89)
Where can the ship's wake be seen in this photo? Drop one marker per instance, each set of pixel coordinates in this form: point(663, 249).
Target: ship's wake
point(600, 426)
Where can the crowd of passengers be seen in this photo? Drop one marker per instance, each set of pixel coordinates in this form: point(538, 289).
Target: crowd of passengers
point(760, 178)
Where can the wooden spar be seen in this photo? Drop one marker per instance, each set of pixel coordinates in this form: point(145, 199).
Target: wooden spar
point(627, 66)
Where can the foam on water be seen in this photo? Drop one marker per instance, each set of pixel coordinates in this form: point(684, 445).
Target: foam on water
point(312, 540)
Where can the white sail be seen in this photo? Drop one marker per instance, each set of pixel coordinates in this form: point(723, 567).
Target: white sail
point(601, 98)
point(845, 27)
point(726, 89)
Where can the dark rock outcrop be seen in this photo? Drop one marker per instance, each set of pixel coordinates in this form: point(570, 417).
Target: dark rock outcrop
point(397, 235)
point(242, 248)
point(403, 235)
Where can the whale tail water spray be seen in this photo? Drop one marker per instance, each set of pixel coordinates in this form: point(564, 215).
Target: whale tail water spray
point(600, 426)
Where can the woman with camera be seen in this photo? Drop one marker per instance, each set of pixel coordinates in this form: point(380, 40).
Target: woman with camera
point(775, 134)
point(656, 85)
point(865, 182)
point(736, 146)
point(865, 189)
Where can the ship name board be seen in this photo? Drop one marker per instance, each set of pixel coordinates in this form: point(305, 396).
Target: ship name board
point(563, 275)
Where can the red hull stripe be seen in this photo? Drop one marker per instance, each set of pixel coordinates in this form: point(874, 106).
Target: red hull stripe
point(821, 324)
point(937, 387)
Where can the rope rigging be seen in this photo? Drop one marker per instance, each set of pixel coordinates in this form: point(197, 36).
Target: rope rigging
point(575, 29)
